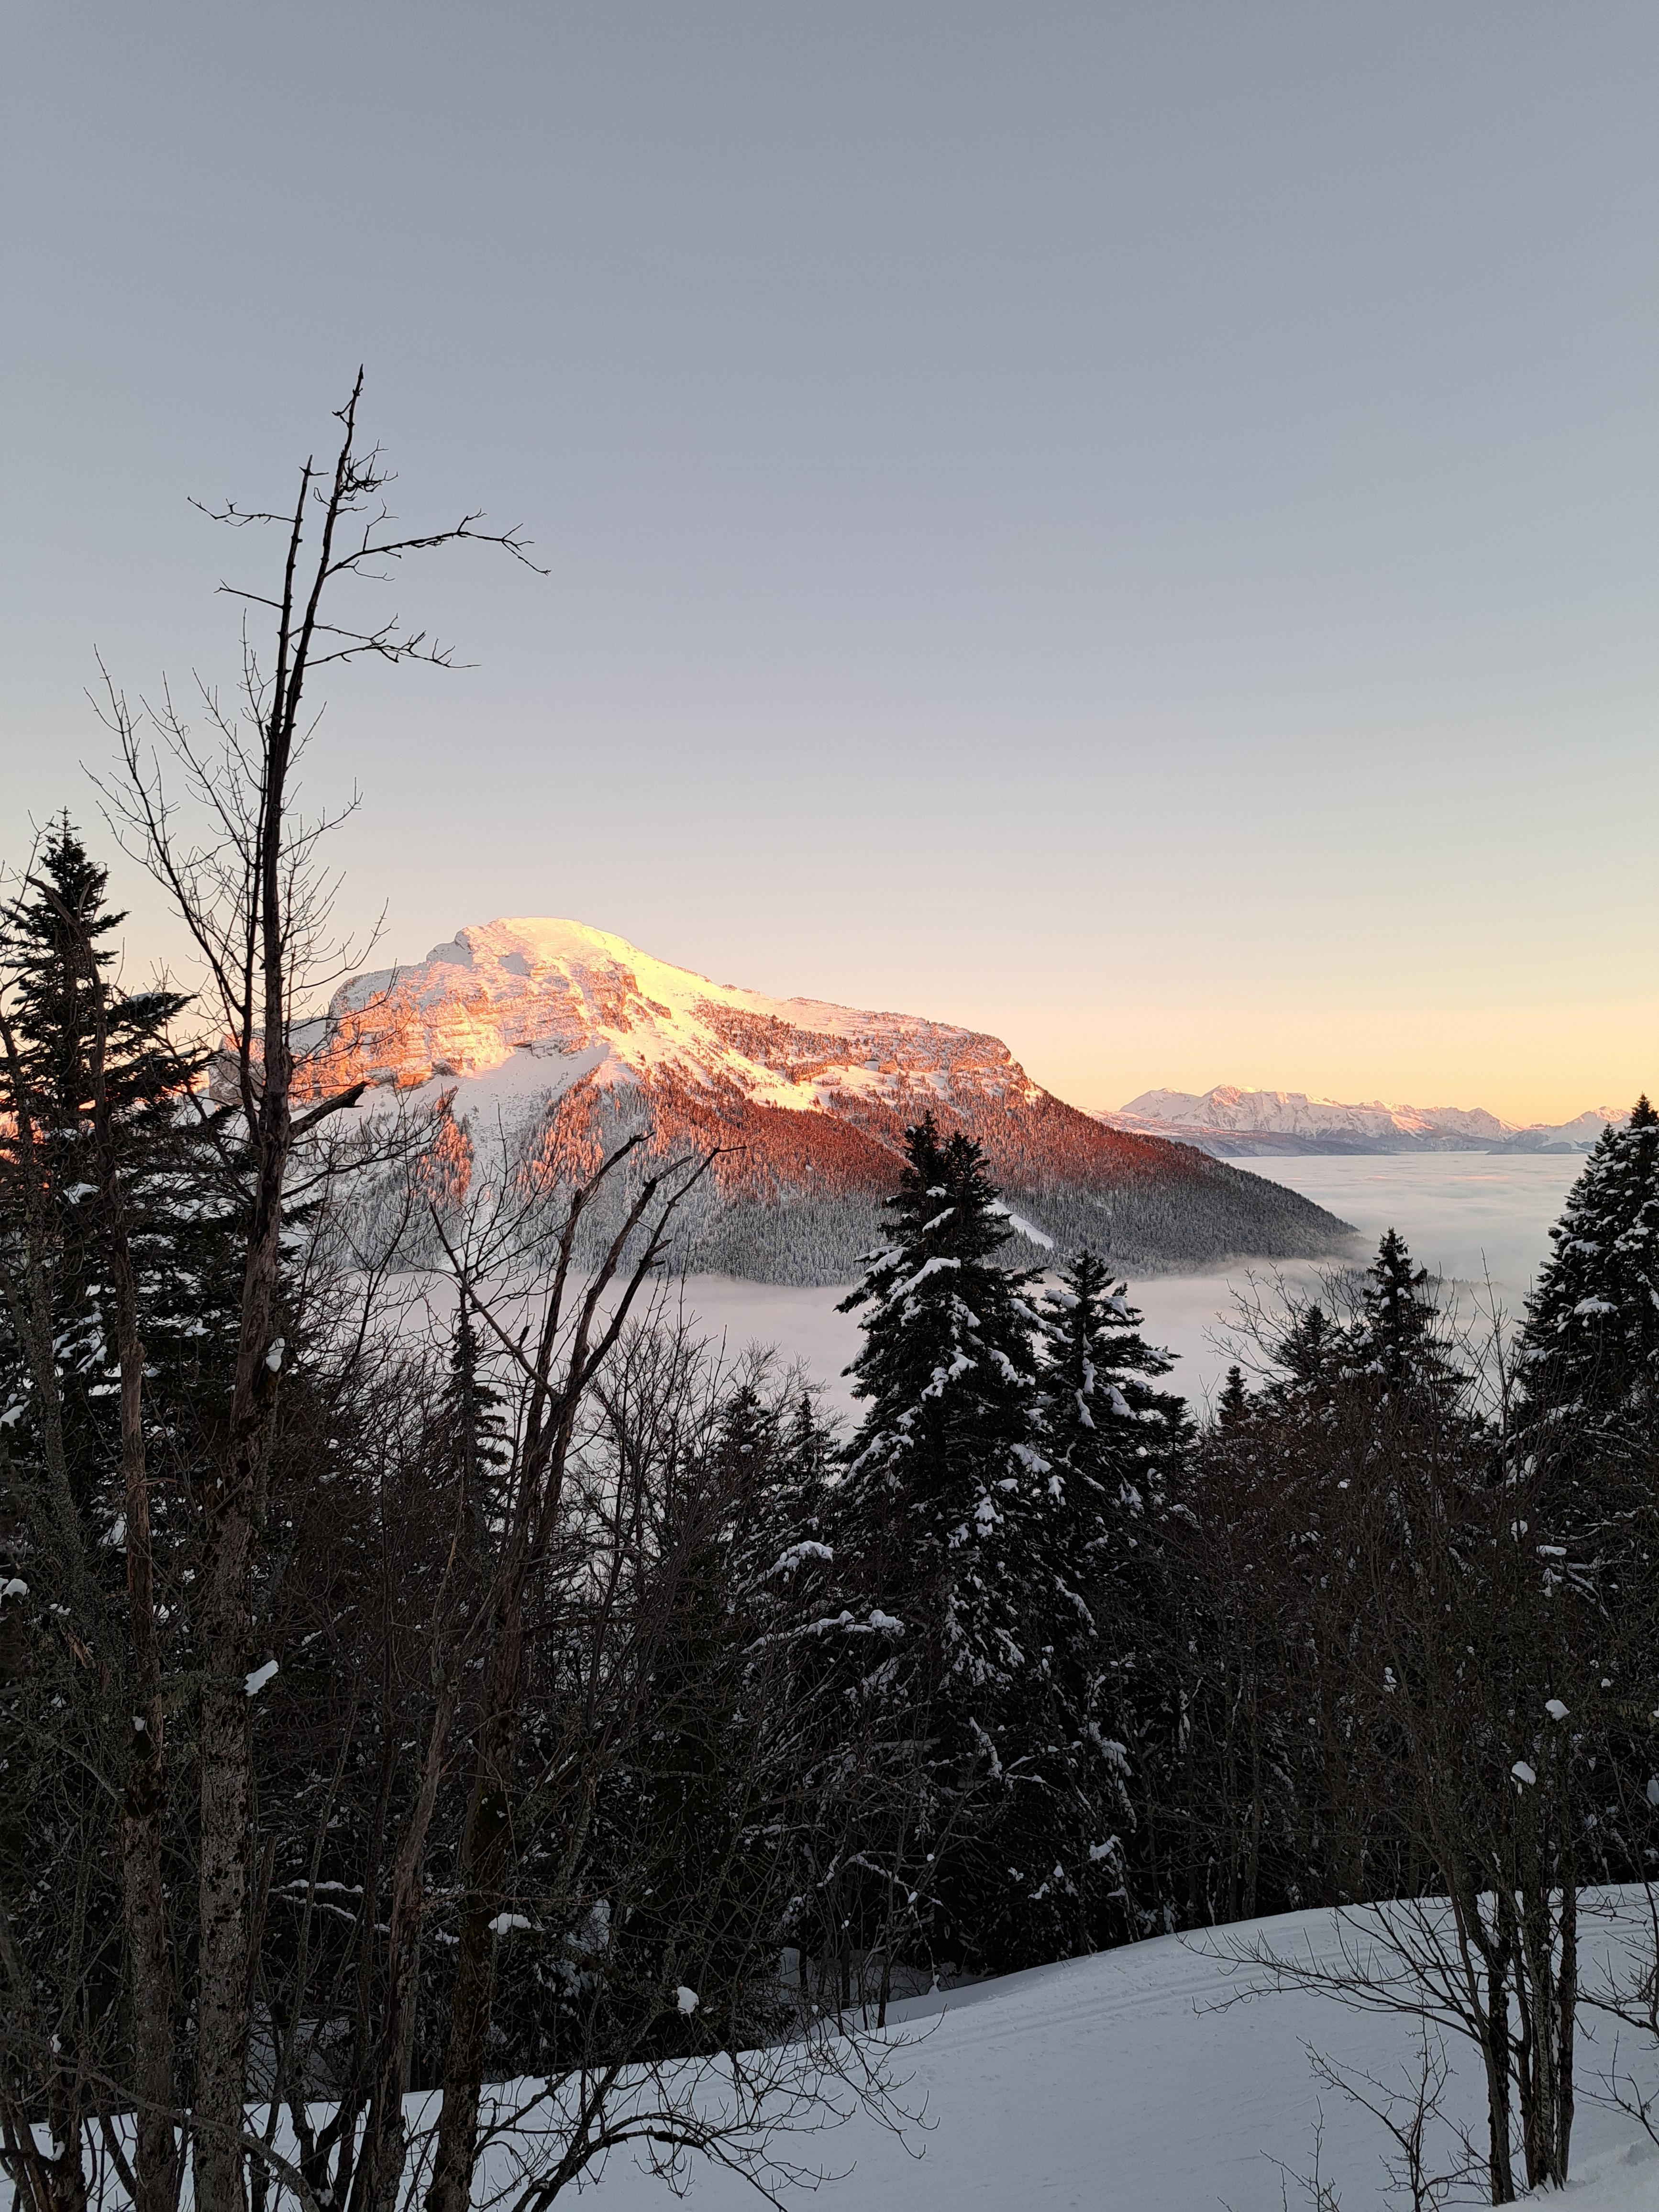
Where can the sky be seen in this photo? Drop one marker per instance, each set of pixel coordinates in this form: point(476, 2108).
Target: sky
point(1129, 526)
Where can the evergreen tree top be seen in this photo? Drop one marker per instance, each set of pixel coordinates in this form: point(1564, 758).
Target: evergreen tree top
point(1396, 1336)
point(946, 1215)
point(948, 1365)
point(1233, 1405)
point(1101, 1419)
point(1592, 1332)
point(43, 965)
point(1307, 1350)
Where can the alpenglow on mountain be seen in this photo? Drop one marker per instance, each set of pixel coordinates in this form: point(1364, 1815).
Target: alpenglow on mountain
point(554, 1039)
point(1232, 1123)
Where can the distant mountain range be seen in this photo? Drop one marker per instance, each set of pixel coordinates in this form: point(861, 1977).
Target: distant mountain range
point(554, 1038)
point(1230, 1123)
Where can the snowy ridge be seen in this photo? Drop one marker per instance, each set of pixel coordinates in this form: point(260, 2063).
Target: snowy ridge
point(561, 992)
point(1231, 1122)
point(569, 1033)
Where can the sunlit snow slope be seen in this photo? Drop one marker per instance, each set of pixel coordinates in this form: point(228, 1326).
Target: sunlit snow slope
point(805, 1103)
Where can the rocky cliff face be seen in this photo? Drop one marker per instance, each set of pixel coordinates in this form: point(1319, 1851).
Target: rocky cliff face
point(565, 1035)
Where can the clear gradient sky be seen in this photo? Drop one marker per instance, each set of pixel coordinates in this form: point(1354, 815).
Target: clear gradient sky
point(1130, 526)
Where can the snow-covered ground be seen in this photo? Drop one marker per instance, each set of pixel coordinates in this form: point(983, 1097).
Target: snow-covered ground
point(1127, 2083)
point(1143, 2080)
point(1468, 1215)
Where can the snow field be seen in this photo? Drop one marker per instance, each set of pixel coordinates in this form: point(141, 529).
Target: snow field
point(1137, 2081)
point(1141, 2080)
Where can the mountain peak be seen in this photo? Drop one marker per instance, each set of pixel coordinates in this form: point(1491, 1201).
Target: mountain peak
point(1229, 1121)
point(556, 1037)
point(558, 990)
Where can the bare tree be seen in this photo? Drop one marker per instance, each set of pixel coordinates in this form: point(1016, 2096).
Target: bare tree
point(257, 909)
point(1430, 2156)
point(1463, 1679)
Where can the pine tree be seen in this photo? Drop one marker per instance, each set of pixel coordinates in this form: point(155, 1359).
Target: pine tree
point(1583, 1450)
point(1101, 1416)
point(1309, 1351)
point(471, 1418)
point(1395, 1335)
point(1114, 1441)
point(71, 1696)
point(1591, 1351)
point(941, 1518)
point(176, 1169)
point(52, 1199)
point(1233, 1406)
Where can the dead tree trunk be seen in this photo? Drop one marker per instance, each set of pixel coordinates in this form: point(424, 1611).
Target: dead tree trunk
point(258, 912)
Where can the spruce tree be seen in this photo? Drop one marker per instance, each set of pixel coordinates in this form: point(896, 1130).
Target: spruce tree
point(1591, 1351)
point(942, 1518)
point(51, 1197)
point(1114, 1441)
point(72, 1687)
point(1396, 1336)
point(1101, 1415)
point(178, 1197)
point(471, 1421)
point(1309, 1353)
point(1232, 1407)
point(1584, 1447)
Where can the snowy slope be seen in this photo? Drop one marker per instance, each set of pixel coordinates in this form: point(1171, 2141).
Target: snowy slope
point(1230, 1122)
point(569, 1034)
point(1115, 2084)
point(1146, 2079)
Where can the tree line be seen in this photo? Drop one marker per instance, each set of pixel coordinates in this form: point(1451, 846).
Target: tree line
point(456, 1727)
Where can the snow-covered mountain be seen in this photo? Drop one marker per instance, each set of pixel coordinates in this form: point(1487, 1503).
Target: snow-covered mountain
point(562, 1035)
point(1230, 1123)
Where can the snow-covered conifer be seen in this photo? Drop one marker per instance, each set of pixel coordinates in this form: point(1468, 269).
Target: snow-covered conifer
point(1232, 1407)
point(53, 1235)
point(1581, 1446)
point(1113, 1440)
point(1101, 1415)
point(1396, 1335)
point(1591, 1345)
point(944, 1516)
point(1307, 1352)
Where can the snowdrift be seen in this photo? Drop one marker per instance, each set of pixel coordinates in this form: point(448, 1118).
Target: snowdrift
point(1142, 2080)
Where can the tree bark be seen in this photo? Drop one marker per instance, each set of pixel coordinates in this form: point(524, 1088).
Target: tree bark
point(483, 1861)
point(378, 2181)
